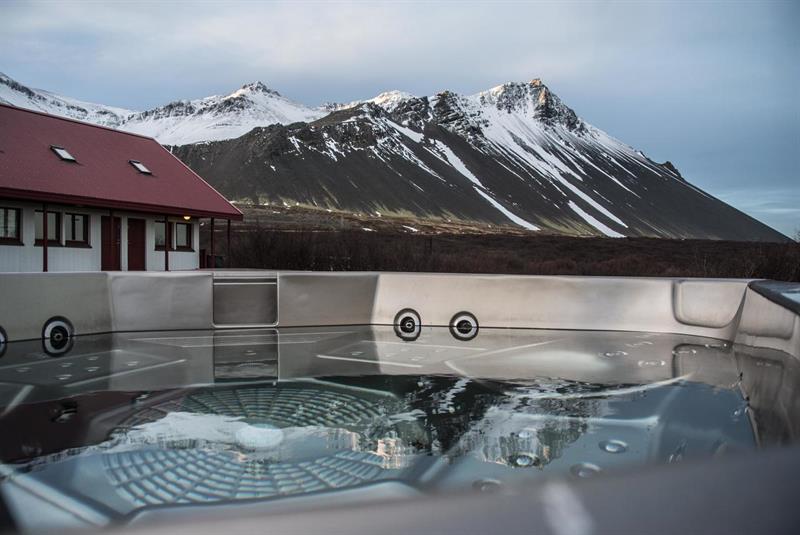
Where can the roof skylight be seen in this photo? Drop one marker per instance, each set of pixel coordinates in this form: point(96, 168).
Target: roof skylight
point(140, 167)
point(63, 154)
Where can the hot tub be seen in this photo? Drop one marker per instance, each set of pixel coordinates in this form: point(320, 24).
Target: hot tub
point(299, 401)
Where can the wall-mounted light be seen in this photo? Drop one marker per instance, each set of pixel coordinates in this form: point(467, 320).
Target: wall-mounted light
point(187, 217)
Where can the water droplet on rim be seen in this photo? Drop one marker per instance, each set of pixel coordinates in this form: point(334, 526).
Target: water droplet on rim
point(523, 460)
point(487, 485)
point(65, 416)
point(613, 446)
point(585, 470)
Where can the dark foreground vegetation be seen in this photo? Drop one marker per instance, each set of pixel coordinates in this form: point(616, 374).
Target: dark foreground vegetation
point(360, 250)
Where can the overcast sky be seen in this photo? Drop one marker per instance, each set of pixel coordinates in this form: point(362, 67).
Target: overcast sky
point(711, 86)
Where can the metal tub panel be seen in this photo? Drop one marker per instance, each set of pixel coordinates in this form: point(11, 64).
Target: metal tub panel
point(161, 301)
point(245, 301)
point(326, 299)
point(603, 303)
point(768, 324)
point(28, 300)
point(708, 303)
point(102, 302)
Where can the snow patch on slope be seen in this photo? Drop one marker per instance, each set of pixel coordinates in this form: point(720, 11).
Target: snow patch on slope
point(594, 204)
point(594, 222)
point(459, 166)
point(417, 137)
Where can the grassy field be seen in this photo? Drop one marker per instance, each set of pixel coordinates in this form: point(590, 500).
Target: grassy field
point(354, 249)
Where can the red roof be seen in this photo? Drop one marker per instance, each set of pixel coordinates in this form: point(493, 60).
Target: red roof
point(102, 175)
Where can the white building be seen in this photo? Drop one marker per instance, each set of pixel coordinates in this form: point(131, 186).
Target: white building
point(106, 193)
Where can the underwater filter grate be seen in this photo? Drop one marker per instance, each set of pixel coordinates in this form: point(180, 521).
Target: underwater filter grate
point(183, 472)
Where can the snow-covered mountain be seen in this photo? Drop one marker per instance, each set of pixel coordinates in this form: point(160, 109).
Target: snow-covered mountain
point(219, 117)
point(185, 121)
point(512, 155)
point(16, 94)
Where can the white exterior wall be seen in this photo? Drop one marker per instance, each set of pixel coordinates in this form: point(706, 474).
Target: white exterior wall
point(28, 257)
point(178, 260)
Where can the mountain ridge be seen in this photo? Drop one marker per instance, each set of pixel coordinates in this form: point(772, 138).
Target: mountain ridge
point(514, 154)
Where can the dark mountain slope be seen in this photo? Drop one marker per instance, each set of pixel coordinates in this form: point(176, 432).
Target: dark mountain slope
point(512, 155)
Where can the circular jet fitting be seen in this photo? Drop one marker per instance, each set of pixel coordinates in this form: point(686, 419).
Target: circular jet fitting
point(464, 326)
point(407, 325)
point(57, 336)
point(3, 341)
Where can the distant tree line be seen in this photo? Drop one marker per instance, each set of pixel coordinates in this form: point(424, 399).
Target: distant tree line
point(359, 250)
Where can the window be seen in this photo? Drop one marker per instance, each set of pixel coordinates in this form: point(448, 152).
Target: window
point(140, 167)
point(161, 236)
point(183, 236)
point(77, 230)
point(180, 235)
point(63, 153)
point(10, 219)
point(53, 228)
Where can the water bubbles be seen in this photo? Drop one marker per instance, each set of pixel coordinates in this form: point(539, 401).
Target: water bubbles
point(64, 377)
point(487, 485)
point(721, 448)
point(684, 351)
point(585, 470)
point(523, 460)
point(613, 446)
point(66, 364)
point(740, 411)
point(32, 450)
point(526, 434)
point(65, 415)
point(23, 369)
point(613, 354)
point(92, 369)
point(259, 437)
point(640, 344)
point(132, 363)
point(651, 363)
point(678, 453)
point(716, 345)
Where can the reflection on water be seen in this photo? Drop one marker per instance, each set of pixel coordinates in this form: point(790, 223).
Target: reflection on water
point(134, 420)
